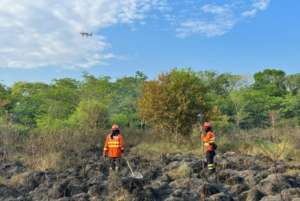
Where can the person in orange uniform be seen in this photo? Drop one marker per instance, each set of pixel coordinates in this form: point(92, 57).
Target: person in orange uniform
point(114, 147)
point(209, 139)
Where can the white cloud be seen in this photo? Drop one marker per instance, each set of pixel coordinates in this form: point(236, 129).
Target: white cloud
point(169, 17)
point(209, 29)
point(216, 20)
point(164, 8)
point(261, 4)
point(218, 10)
point(46, 32)
point(250, 13)
point(221, 22)
point(153, 16)
point(258, 5)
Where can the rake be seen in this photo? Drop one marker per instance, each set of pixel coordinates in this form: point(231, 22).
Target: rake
point(136, 175)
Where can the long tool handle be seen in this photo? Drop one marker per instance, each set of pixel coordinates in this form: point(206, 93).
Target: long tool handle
point(128, 165)
point(202, 155)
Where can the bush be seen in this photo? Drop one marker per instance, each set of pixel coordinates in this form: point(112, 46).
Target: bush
point(120, 119)
point(90, 114)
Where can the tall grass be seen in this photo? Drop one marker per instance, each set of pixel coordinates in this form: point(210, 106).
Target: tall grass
point(65, 147)
point(166, 147)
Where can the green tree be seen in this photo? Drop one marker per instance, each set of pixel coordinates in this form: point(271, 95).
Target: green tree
point(121, 119)
point(4, 92)
point(28, 100)
point(289, 106)
point(127, 91)
point(62, 98)
point(173, 101)
point(257, 105)
point(293, 83)
point(271, 82)
point(224, 93)
point(100, 89)
point(238, 99)
point(90, 114)
point(217, 83)
point(59, 102)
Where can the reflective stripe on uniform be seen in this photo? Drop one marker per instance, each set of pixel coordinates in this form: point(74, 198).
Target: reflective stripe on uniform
point(105, 149)
point(113, 146)
point(211, 140)
point(211, 166)
point(113, 142)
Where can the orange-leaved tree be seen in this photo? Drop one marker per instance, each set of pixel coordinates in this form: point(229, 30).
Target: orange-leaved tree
point(3, 105)
point(173, 101)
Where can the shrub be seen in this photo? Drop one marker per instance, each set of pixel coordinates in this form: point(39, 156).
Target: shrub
point(120, 119)
point(90, 114)
point(182, 171)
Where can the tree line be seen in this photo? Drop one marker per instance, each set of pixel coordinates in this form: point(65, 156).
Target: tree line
point(270, 98)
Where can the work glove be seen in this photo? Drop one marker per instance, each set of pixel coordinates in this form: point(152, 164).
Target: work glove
point(104, 156)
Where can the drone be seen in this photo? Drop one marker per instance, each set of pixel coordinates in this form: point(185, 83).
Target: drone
point(86, 34)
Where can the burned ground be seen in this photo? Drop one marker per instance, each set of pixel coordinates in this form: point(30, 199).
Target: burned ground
point(239, 177)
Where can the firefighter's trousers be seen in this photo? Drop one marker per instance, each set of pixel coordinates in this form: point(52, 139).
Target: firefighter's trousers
point(115, 162)
point(210, 161)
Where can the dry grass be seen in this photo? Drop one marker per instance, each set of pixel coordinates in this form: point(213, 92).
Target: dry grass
point(162, 147)
point(291, 171)
point(52, 160)
point(181, 172)
point(60, 149)
point(224, 144)
point(227, 143)
point(17, 181)
point(93, 198)
point(283, 146)
point(63, 148)
point(4, 181)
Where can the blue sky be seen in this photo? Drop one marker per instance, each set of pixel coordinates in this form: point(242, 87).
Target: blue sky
point(40, 40)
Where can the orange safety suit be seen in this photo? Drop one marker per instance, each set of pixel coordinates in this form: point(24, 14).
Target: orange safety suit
point(210, 139)
point(114, 146)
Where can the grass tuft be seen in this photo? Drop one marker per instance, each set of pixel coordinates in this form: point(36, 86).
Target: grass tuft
point(51, 160)
point(17, 181)
point(181, 172)
point(291, 172)
point(165, 147)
